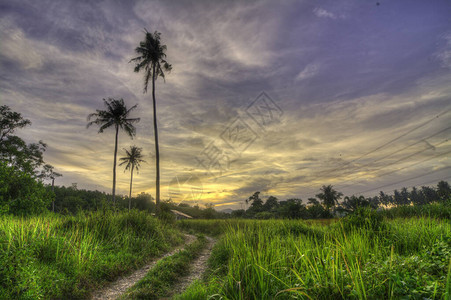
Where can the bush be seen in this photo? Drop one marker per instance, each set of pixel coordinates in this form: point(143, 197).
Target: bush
point(365, 218)
point(20, 193)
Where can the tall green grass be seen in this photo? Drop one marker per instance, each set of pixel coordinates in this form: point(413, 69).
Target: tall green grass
point(159, 281)
point(68, 257)
point(286, 259)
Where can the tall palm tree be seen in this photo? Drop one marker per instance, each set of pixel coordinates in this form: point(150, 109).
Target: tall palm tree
point(133, 159)
point(116, 115)
point(152, 60)
point(329, 196)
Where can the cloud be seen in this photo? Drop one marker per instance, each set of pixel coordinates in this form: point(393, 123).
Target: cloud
point(309, 71)
point(16, 47)
point(322, 13)
point(444, 53)
point(345, 89)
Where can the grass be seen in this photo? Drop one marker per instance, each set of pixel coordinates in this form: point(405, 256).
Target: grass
point(159, 280)
point(48, 257)
point(393, 259)
point(435, 210)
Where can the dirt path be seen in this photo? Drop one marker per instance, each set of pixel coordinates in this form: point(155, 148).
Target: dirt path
point(117, 288)
point(199, 265)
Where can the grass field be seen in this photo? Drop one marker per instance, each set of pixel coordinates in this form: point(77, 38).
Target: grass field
point(57, 257)
point(376, 259)
point(365, 256)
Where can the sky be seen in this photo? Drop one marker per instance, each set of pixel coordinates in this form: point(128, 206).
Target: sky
point(280, 97)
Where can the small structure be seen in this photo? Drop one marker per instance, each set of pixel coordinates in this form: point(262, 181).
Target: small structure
point(179, 215)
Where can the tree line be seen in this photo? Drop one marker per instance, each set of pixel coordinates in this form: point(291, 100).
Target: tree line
point(327, 203)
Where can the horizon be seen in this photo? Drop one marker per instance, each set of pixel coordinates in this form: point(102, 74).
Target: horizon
point(355, 95)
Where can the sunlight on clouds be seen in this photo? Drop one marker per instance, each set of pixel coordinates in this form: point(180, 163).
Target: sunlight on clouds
point(15, 46)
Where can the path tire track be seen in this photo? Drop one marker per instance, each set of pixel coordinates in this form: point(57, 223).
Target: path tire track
point(199, 265)
point(120, 286)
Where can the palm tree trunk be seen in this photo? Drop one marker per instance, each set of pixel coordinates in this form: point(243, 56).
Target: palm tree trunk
point(53, 191)
point(157, 151)
point(130, 196)
point(114, 166)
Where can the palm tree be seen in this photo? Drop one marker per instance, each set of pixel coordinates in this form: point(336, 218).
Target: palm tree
point(329, 196)
point(133, 159)
point(152, 60)
point(116, 115)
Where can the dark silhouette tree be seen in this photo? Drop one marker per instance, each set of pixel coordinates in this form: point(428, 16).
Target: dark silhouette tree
point(116, 115)
point(13, 150)
point(256, 203)
point(351, 204)
point(329, 196)
point(292, 209)
point(132, 160)
point(430, 194)
point(10, 121)
point(443, 190)
point(312, 201)
point(152, 60)
point(270, 204)
point(48, 173)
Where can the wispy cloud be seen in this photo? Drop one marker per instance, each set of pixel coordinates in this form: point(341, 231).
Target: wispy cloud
point(345, 89)
point(322, 13)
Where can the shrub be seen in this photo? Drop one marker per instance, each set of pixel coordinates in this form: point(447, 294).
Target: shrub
point(20, 193)
point(364, 218)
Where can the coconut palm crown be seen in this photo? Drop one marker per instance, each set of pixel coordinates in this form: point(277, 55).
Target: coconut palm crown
point(116, 115)
point(152, 60)
point(132, 160)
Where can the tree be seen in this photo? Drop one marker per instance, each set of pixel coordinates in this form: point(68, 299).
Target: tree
point(48, 172)
point(351, 204)
point(443, 190)
point(270, 204)
point(152, 60)
point(14, 150)
point(21, 193)
point(133, 159)
point(10, 121)
point(256, 203)
point(312, 201)
point(329, 196)
point(292, 209)
point(116, 115)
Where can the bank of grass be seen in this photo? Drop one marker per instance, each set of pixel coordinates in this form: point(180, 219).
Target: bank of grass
point(433, 210)
point(61, 257)
point(361, 258)
point(160, 279)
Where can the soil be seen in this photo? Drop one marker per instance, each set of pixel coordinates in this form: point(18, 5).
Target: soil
point(117, 288)
point(198, 267)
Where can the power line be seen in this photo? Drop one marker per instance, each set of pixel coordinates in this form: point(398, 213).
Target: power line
point(400, 150)
point(401, 181)
point(401, 159)
point(429, 182)
point(387, 143)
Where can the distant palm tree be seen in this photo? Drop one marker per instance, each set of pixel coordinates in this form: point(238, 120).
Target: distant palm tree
point(133, 159)
point(152, 59)
point(329, 196)
point(116, 115)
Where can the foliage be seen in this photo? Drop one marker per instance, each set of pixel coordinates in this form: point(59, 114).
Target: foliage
point(152, 60)
point(61, 257)
point(329, 196)
point(116, 115)
point(20, 193)
point(13, 150)
point(365, 218)
point(159, 281)
point(288, 259)
point(10, 121)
